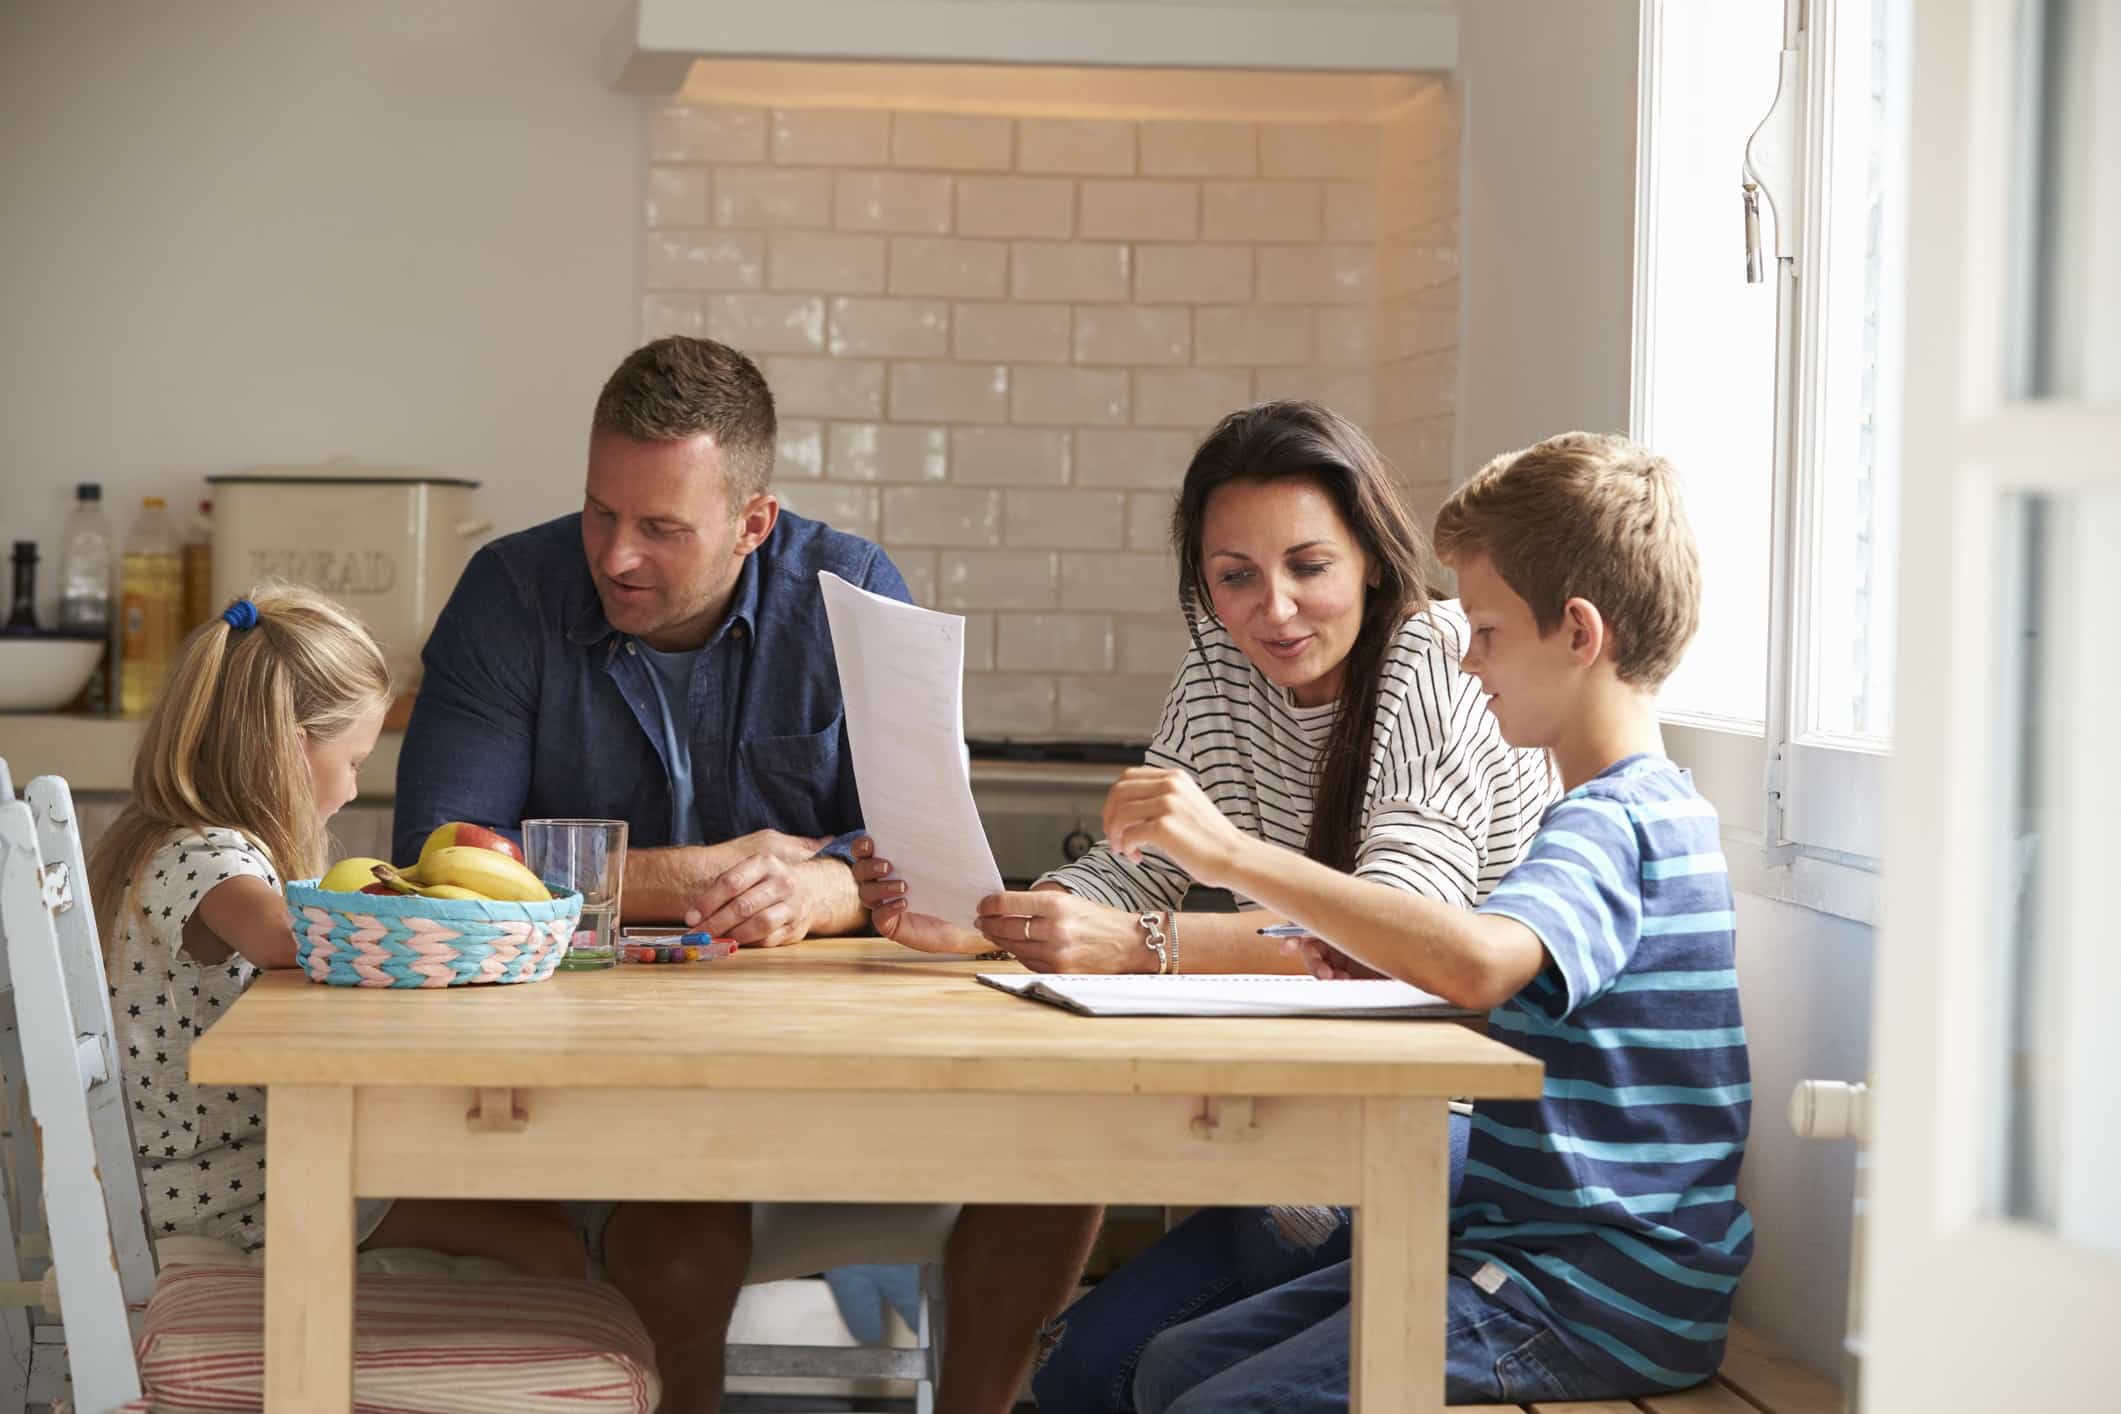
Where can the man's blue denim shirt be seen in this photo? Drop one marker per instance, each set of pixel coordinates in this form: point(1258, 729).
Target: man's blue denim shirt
point(533, 705)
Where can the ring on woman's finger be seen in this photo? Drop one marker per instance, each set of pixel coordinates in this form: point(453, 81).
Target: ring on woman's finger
point(1027, 930)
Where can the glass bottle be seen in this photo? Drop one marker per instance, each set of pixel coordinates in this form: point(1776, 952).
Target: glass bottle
point(153, 600)
point(85, 570)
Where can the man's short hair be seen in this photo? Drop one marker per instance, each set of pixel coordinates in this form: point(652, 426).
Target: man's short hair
point(678, 387)
point(1585, 516)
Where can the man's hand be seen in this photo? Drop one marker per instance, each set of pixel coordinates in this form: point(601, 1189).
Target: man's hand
point(766, 899)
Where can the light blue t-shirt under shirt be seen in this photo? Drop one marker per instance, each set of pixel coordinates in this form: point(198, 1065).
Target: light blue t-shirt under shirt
point(672, 675)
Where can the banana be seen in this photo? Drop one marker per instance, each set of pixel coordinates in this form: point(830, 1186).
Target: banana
point(449, 891)
point(485, 872)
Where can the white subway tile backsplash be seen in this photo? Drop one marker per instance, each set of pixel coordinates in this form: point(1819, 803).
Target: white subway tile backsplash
point(1042, 394)
point(1132, 456)
point(831, 137)
point(1117, 581)
point(928, 265)
point(1130, 334)
point(1009, 705)
point(1111, 704)
point(1188, 149)
point(979, 643)
point(1010, 333)
point(1343, 333)
point(667, 314)
point(1065, 520)
point(677, 196)
point(946, 516)
point(1082, 146)
point(1192, 398)
point(1066, 643)
point(996, 342)
point(1262, 211)
point(763, 324)
point(1149, 519)
point(905, 202)
point(800, 449)
point(999, 579)
point(949, 392)
point(1344, 151)
point(871, 451)
point(1348, 391)
point(1193, 274)
point(889, 328)
point(917, 568)
point(826, 387)
point(951, 142)
point(800, 197)
point(838, 504)
point(1141, 211)
point(1248, 335)
point(1009, 456)
point(1154, 647)
point(1316, 274)
point(1351, 211)
point(1053, 270)
point(703, 260)
point(821, 262)
point(1030, 207)
point(684, 132)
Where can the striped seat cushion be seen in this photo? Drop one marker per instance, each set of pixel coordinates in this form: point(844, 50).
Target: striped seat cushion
point(502, 1346)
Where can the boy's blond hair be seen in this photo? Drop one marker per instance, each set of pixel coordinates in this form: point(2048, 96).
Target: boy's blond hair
point(1587, 516)
point(226, 744)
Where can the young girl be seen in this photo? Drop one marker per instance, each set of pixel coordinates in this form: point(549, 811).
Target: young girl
point(268, 714)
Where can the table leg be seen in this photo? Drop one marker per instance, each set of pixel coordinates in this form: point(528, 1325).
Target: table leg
point(309, 1248)
point(1401, 1245)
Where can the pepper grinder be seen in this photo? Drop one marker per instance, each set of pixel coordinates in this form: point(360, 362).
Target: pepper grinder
point(24, 614)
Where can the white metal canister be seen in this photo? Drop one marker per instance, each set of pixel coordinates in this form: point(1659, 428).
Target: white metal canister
point(387, 542)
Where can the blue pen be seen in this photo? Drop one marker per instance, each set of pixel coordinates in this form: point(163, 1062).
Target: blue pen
point(1285, 930)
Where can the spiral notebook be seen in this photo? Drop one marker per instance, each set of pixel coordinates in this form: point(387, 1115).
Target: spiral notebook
point(1231, 995)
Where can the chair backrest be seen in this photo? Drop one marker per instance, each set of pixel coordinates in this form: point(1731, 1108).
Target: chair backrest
point(92, 1199)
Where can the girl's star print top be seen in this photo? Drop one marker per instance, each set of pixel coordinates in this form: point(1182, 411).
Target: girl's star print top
point(202, 1150)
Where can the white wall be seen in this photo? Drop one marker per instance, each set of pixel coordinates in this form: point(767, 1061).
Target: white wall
point(1547, 208)
point(1547, 215)
point(253, 232)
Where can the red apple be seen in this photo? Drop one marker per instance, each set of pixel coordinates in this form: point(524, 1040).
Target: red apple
point(458, 832)
point(380, 889)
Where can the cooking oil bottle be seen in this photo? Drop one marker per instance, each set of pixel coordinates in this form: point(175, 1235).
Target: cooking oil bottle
point(152, 597)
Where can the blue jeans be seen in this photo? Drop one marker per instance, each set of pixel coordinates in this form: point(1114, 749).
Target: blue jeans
point(1212, 1260)
point(1285, 1351)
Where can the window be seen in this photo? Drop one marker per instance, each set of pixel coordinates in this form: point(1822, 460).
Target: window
point(1778, 400)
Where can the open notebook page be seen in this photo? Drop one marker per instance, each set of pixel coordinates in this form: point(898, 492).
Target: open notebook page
point(1201, 994)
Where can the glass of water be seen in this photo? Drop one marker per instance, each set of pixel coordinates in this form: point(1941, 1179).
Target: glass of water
point(589, 857)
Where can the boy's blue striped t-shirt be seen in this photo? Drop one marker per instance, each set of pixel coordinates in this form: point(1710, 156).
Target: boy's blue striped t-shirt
point(1611, 1202)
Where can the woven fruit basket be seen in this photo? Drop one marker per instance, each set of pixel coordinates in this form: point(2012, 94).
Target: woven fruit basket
point(401, 940)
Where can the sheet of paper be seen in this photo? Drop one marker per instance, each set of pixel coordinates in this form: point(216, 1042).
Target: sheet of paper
point(902, 675)
point(1200, 994)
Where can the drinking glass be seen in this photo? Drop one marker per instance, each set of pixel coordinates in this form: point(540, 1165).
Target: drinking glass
point(589, 857)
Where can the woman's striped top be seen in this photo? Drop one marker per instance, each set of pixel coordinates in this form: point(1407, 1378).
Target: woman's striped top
point(1448, 807)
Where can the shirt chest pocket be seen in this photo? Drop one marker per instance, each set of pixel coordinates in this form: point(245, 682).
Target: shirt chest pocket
point(793, 782)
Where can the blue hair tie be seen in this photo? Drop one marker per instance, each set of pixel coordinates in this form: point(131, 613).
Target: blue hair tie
point(241, 615)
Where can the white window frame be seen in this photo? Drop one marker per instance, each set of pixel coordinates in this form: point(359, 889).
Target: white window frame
point(1803, 811)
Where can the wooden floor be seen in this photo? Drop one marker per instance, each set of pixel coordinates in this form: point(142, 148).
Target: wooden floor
point(1754, 1380)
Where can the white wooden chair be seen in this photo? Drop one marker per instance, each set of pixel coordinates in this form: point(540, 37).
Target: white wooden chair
point(421, 1341)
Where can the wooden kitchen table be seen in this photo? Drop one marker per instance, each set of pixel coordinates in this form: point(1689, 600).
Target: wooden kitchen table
point(838, 1071)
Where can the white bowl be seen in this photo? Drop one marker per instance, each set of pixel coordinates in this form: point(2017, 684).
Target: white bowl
point(45, 672)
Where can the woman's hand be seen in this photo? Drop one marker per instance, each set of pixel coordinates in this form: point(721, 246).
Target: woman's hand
point(885, 898)
point(1149, 805)
point(1051, 930)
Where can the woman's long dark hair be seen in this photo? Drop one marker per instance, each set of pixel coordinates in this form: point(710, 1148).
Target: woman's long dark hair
point(1304, 441)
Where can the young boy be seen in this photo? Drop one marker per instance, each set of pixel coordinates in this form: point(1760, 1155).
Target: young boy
point(1596, 1236)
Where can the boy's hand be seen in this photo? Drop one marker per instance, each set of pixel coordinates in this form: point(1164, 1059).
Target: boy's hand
point(1326, 962)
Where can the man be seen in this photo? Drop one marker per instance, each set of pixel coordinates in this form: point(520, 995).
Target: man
point(663, 658)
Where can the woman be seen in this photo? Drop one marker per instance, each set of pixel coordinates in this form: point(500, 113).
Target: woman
point(1320, 708)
